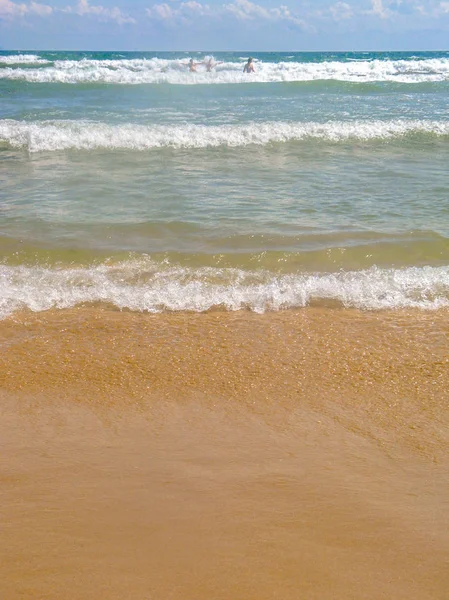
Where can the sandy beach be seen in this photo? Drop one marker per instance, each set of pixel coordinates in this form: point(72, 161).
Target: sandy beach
point(224, 302)
point(300, 454)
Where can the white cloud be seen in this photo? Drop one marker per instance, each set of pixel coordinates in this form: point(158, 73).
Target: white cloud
point(379, 10)
point(341, 11)
point(40, 9)
point(431, 9)
point(389, 9)
point(386, 9)
point(196, 7)
point(161, 11)
point(421, 9)
point(83, 8)
point(185, 12)
point(10, 9)
point(165, 12)
point(243, 10)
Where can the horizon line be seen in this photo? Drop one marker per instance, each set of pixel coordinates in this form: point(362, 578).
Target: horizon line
point(228, 50)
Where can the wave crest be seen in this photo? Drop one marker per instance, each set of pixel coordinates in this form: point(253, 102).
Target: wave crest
point(20, 59)
point(157, 70)
point(47, 136)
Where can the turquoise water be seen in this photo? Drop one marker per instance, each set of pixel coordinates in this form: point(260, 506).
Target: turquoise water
point(127, 179)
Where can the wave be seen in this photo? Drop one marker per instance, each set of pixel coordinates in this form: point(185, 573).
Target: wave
point(50, 136)
point(144, 285)
point(157, 70)
point(18, 59)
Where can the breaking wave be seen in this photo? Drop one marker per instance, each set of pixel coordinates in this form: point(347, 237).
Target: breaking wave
point(41, 136)
point(20, 59)
point(144, 285)
point(175, 71)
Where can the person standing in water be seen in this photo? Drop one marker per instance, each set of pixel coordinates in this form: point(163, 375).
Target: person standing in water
point(249, 67)
point(211, 64)
point(192, 66)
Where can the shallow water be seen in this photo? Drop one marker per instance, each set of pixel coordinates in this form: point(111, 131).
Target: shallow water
point(328, 166)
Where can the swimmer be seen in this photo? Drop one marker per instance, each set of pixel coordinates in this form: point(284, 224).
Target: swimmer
point(211, 64)
point(192, 66)
point(249, 67)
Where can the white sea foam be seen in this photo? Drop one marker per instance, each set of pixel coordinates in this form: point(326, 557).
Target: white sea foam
point(18, 59)
point(143, 285)
point(41, 136)
point(156, 70)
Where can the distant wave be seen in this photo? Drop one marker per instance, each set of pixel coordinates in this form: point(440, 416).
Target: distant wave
point(50, 136)
point(143, 285)
point(156, 70)
point(19, 59)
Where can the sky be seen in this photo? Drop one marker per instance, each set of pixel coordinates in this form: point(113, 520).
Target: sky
point(262, 25)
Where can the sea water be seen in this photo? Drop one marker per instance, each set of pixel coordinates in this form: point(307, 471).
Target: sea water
point(126, 179)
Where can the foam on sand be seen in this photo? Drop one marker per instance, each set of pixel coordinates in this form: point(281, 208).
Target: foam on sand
point(146, 285)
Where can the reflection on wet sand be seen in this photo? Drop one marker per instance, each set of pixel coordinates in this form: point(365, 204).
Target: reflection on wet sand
point(289, 455)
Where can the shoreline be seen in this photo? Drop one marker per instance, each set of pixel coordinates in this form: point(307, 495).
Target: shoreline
point(387, 372)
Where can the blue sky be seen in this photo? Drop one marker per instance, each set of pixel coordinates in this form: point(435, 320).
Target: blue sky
point(224, 25)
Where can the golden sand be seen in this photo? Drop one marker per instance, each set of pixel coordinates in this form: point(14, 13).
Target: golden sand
point(227, 456)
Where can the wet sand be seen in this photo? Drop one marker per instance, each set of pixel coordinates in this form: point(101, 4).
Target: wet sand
point(299, 454)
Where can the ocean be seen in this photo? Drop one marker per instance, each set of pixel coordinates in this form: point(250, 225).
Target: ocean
point(320, 179)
